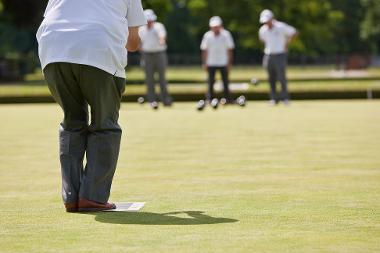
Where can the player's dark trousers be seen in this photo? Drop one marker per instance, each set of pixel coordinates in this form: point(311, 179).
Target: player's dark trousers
point(276, 67)
point(75, 87)
point(211, 80)
point(156, 63)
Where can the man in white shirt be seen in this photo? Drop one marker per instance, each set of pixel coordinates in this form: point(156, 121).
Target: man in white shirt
point(276, 36)
point(83, 51)
point(217, 55)
point(153, 49)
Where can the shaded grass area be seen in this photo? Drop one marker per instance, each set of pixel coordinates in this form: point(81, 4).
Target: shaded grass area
point(303, 178)
point(196, 74)
point(241, 73)
point(191, 80)
point(41, 89)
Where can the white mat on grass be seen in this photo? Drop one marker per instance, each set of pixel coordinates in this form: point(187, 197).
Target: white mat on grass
point(127, 207)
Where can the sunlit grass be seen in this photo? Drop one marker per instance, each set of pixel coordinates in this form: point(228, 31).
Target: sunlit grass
point(303, 178)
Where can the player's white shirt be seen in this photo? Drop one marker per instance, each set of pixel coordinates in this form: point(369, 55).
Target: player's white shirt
point(275, 39)
point(150, 38)
point(90, 32)
point(217, 47)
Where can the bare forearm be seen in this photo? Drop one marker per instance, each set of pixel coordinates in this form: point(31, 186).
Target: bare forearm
point(204, 57)
point(230, 57)
point(163, 40)
point(134, 41)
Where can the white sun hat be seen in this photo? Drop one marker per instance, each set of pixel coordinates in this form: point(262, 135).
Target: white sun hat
point(150, 15)
point(265, 16)
point(215, 21)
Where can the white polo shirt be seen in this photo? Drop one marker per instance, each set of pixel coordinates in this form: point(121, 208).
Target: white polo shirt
point(90, 32)
point(275, 39)
point(217, 47)
point(150, 38)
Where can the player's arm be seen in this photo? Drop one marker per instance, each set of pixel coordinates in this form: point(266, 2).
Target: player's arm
point(162, 35)
point(261, 35)
point(163, 40)
point(290, 39)
point(134, 41)
point(204, 56)
point(136, 18)
point(204, 51)
point(231, 47)
point(291, 34)
point(230, 58)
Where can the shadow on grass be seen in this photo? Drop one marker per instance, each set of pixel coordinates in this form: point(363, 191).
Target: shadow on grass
point(172, 218)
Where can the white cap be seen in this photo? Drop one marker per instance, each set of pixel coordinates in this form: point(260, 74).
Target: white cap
point(265, 16)
point(215, 21)
point(149, 15)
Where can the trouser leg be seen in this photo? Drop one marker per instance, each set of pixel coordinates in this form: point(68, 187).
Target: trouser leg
point(64, 86)
point(226, 83)
point(103, 93)
point(211, 80)
point(162, 62)
point(272, 76)
point(281, 61)
point(72, 148)
point(149, 76)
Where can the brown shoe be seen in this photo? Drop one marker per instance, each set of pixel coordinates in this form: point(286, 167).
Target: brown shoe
point(71, 207)
point(85, 205)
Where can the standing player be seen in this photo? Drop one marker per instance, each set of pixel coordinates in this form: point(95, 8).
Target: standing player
point(153, 49)
point(82, 48)
point(276, 35)
point(217, 55)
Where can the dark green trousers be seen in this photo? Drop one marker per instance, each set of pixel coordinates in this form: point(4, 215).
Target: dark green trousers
point(77, 87)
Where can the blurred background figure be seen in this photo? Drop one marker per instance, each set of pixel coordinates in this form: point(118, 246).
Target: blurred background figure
point(276, 36)
point(217, 55)
point(153, 50)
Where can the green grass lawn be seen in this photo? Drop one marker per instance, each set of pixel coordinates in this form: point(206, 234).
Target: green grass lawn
point(304, 178)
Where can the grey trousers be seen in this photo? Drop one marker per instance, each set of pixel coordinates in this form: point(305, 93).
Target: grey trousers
point(75, 87)
point(156, 62)
point(211, 80)
point(276, 67)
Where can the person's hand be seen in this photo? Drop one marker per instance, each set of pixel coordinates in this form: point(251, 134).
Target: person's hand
point(205, 67)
